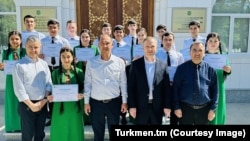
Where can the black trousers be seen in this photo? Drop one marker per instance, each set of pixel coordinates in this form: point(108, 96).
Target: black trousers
point(100, 112)
point(148, 118)
point(32, 123)
point(192, 116)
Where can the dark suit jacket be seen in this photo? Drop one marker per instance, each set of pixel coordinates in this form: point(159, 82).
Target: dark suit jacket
point(138, 89)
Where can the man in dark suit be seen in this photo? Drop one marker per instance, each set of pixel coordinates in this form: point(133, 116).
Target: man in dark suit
point(149, 87)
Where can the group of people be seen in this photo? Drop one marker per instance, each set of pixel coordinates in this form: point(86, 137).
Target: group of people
point(136, 75)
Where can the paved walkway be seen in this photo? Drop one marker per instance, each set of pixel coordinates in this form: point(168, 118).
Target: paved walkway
point(237, 114)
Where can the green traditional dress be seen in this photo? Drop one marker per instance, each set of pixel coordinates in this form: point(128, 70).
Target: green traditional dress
point(82, 65)
point(12, 118)
point(68, 124)
point(220, 113)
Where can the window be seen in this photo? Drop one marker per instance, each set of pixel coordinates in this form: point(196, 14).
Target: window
point(7, 18)
point(230, 18)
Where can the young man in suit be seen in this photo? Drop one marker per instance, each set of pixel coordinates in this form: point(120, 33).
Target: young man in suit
point(149, 87)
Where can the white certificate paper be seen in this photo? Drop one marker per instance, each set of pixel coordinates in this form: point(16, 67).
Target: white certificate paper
point(66, 92)
point(171, 72)
point(123, 52)
point(73, 43)
point(25, 35)
point(138, 51)
point(51, 50)
point(8, 66)
point(217, 61)
point(186, 54)
point(84, 54)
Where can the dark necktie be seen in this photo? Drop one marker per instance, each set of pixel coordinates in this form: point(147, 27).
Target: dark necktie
point(161, 45)
point(118, 44)
point(132, 45)
point(53, 59)
point(169, 62)
point(15, 55)
point(194, 39)
point(196, 85)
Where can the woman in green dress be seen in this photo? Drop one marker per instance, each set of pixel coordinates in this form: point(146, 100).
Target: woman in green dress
point(14, 52)
point(67, 116)
point(85, 42)
point(213, 46)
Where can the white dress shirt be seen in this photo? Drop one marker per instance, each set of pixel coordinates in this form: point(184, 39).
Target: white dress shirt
point(57, 40)
point(31, 79)
point(105, 79)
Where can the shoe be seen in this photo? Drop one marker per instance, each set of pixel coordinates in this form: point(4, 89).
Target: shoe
point(124, 121)
point(48, 123)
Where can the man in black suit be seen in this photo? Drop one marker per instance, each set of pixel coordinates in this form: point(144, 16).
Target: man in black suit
point(149, 87)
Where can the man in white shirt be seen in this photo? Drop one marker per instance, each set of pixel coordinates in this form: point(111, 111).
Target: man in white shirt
point(72, 37)
point(32, 84)
point(194, 29)
point(173, 59)
point(30, 24)
point(105, 80)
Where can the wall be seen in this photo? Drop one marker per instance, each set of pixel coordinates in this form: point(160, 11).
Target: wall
point(239, 79)
point(65, 11)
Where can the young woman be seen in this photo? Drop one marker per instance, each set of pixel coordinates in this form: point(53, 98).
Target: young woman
point(141, 35)
point(213, 46)
point(67, 121)
point(85, 42)
point(14, 52)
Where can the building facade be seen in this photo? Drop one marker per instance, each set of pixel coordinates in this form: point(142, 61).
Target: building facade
point(230, 18)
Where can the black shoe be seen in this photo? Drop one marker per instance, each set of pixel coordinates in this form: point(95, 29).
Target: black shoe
point(124, 121)
point(48, 123)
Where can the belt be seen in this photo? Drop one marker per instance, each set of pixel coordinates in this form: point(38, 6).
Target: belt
point(105, 100)
point(196, 107)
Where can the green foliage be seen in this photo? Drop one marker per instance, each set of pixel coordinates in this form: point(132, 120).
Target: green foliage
point(7, 6)
point(7, 22)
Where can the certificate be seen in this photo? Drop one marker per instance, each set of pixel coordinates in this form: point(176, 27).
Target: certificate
point(217, 61)
point(51, 50)
point(84, 54)
point(123, 52)
point(25, 35)
point(186, 54)
point(138, 51)
point(64, 92)
point(171, 72)
point(73, 43)
point(8, 66)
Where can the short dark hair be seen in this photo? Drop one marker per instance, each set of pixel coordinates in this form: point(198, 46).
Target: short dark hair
point(70, 21)
point(131, 21)
point(161, 26)
point(167, 34)
point(106, 25)
point(197, 42)
point(195, 22)
point(118, 27)
point(28, 16)
point(53, 21)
